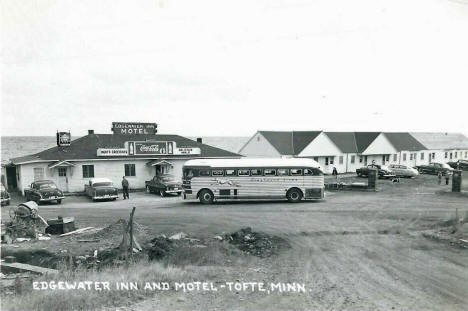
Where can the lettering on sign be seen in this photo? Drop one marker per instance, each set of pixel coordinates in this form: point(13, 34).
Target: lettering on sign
point(132, 128)
point(112, 152)
point(63, 139)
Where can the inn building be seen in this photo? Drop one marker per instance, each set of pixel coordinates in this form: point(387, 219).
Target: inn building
point(131, 151)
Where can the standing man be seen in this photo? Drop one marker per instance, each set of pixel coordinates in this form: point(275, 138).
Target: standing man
point(125, 188)
point(335, 173)
point(447, 178)
point(439, 177)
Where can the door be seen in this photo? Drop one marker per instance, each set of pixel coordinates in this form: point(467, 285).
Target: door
point(383, 160)
point(63, 179)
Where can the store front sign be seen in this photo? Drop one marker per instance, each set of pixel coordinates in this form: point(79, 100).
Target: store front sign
point(132, 128)
point(185, 151)
point(105, 152)
point(159, 148)
point(63, 139)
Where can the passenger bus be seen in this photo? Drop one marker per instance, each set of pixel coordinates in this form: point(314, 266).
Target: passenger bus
point(293, 179)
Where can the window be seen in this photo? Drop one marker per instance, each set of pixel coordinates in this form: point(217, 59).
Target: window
point(88, 171)
point(395, 157)
point(326, 161)
point(62, 171)
point(433, 155)
point(422, 155)
point(456, 154)
point(353, 159)
point(205, 173)
point(283, 172)
point(387, 158)
point(270, 172)
point(332, 160)
point(360, 159)
point(38, 173)
point(217, 172)
point(446, 155)
point(411, 156)
point(244, 173)
point(404, 156)
point(256, 172)
point(466, 154)
point(230, 172)
point(365, 159)
point(130, 170)
point(451, 155)
point(296, 171)
point(341, 159)
point(312, 171)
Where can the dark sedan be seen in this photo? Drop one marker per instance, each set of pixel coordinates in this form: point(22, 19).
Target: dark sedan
point(383, 171)
point(164, 185)
point(459, 165)
point(434, 168)
point(43, 191)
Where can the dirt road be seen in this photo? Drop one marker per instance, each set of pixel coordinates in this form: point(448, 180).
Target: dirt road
point(353, 251)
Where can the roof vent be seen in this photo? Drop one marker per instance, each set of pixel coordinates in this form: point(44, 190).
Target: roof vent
point(90, 132)
point(199, 140)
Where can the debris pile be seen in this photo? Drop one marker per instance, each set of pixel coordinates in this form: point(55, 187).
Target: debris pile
point(256, 243)
point(25, 223)
point(453, 231)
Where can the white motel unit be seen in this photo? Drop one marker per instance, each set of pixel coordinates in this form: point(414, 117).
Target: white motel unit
point(347, 151)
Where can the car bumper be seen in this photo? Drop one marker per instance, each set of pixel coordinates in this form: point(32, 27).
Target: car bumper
point(51, 199)
point(175, 192)
point(105, 197)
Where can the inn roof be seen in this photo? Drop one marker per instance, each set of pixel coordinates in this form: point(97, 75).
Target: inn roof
point(86, 148)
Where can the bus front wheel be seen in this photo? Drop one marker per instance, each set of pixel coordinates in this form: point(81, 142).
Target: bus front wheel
point(294, 195)
point(206, 196)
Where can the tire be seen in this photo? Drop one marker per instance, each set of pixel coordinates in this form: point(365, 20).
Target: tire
point(294, 195)
point(59, 201)
point(206, 197)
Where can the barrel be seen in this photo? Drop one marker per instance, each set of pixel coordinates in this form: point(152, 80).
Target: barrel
point(456, 181)
point(372, 179)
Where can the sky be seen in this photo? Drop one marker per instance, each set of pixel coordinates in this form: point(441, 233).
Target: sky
point(230, 68)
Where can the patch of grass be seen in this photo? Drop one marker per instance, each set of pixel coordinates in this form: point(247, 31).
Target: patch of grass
point(79, 299)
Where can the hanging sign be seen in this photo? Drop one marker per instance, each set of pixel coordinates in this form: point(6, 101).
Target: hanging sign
point(63, 139)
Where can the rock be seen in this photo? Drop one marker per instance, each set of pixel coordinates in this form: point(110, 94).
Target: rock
point(178, 236)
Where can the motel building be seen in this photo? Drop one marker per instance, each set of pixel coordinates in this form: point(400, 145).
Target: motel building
point(348, 151)
point(133, 150)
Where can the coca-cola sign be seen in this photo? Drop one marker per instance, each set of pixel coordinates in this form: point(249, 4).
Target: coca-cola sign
point(151, 148)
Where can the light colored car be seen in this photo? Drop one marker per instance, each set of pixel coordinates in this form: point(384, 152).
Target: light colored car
point(101, 189)
point(403, 170)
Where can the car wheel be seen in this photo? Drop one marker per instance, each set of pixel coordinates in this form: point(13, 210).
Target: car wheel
point(294, 195)
point(206, 196)
point(59, 201)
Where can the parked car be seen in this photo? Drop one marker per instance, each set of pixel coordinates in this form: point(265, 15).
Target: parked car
point(164, 184)
point(43, 191)
point(434, 168)
point(403, 170)
point(5, 196)
point(101, 189)
point(460, 165)
point(383, 171)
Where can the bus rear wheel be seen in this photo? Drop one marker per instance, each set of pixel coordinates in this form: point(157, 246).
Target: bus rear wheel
point(294, 195)
point(206, 197)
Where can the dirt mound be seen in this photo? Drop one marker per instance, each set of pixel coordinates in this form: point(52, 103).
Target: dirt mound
point(160, 247)
point(115, 231)
point(257, 243)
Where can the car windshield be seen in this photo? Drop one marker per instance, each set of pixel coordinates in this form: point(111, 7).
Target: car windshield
point(166, 178)
point(444, 165)
point(384, 167)
point(102, 184)
point(45, 186)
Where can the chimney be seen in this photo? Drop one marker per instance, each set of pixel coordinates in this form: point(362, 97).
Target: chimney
point(199, 140)
point(90, 132)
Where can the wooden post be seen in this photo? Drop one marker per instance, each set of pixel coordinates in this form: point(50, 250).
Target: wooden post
point(131, 231)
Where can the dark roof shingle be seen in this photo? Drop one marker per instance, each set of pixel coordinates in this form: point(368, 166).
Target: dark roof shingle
point(404, 142)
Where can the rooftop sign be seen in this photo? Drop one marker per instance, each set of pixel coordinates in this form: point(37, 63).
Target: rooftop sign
point(148, 148)
point(132, 128)
point(63, 139)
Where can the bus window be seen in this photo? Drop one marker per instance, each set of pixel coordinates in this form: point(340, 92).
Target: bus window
point(270, 172)
point(205, 173)
point(188, 174)
point(312, 172)
point(230, 172)
point(244, 173)
point(296, 171)
point(217, 172)
point(283, 172)
point(256, 172)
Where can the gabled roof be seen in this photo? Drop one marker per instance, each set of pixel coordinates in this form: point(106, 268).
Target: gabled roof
point(86, 148)
point(290, 142)
point(345, 141)
point(442, 141)
point(404, 142)
point(281, 141)
point(364, 139)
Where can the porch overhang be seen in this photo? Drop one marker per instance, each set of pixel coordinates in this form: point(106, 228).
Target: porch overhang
point(159, 162)
point(60, 164)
